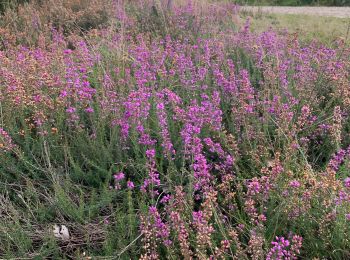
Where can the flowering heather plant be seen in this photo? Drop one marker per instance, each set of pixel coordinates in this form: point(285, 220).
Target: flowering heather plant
point(280, 248)
point(6, 143)
point(187, 136)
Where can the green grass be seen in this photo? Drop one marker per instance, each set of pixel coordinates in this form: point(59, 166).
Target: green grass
point(295, 2)
point(308, 27)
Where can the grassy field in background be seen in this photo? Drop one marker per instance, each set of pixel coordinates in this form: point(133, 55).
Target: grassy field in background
point(296, 2)
point(308, 27)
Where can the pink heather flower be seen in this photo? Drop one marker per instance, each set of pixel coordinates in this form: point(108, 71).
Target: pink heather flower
point(337, 160)
point(262, 218)
point(37, 98)
point(63, 93)
point(165, 199)
point(347, 216)
point(130, 185)
point(119, 176)
point(152, 210)
point(6, 143)
point(160, 106)
point(294, 184)
point(70, 109)
point(342, 196)
point(162, 117)
point(284, 249)
point(295, 145)
point(279, 249)
point(254, 186)
point(297, 242)
point(347, 182)
point(197, 216)
point(89, 110)
point(161, 228)
point(305, 110)
point(249, 109)
point(150, 153)
point(67, 51)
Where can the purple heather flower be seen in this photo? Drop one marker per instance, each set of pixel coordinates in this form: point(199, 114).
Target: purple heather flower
point(130, 185)
point(119, 176)
point(166, 198)
point(70, 109)
point(347, 182)
point(294, 184)
point(150, 153)
point(89, 110)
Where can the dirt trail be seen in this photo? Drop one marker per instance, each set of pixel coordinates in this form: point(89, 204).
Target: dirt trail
point(341, 12)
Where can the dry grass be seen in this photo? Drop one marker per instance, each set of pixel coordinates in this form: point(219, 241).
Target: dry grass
point(27, 23)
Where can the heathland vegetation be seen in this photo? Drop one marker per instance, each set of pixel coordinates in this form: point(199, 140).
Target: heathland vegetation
point(139, 129)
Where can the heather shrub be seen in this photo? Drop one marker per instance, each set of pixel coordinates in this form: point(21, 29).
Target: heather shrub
point(171, 134)
point(33, 22)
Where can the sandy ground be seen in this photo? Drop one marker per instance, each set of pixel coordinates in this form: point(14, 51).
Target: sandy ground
point(341, 12)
